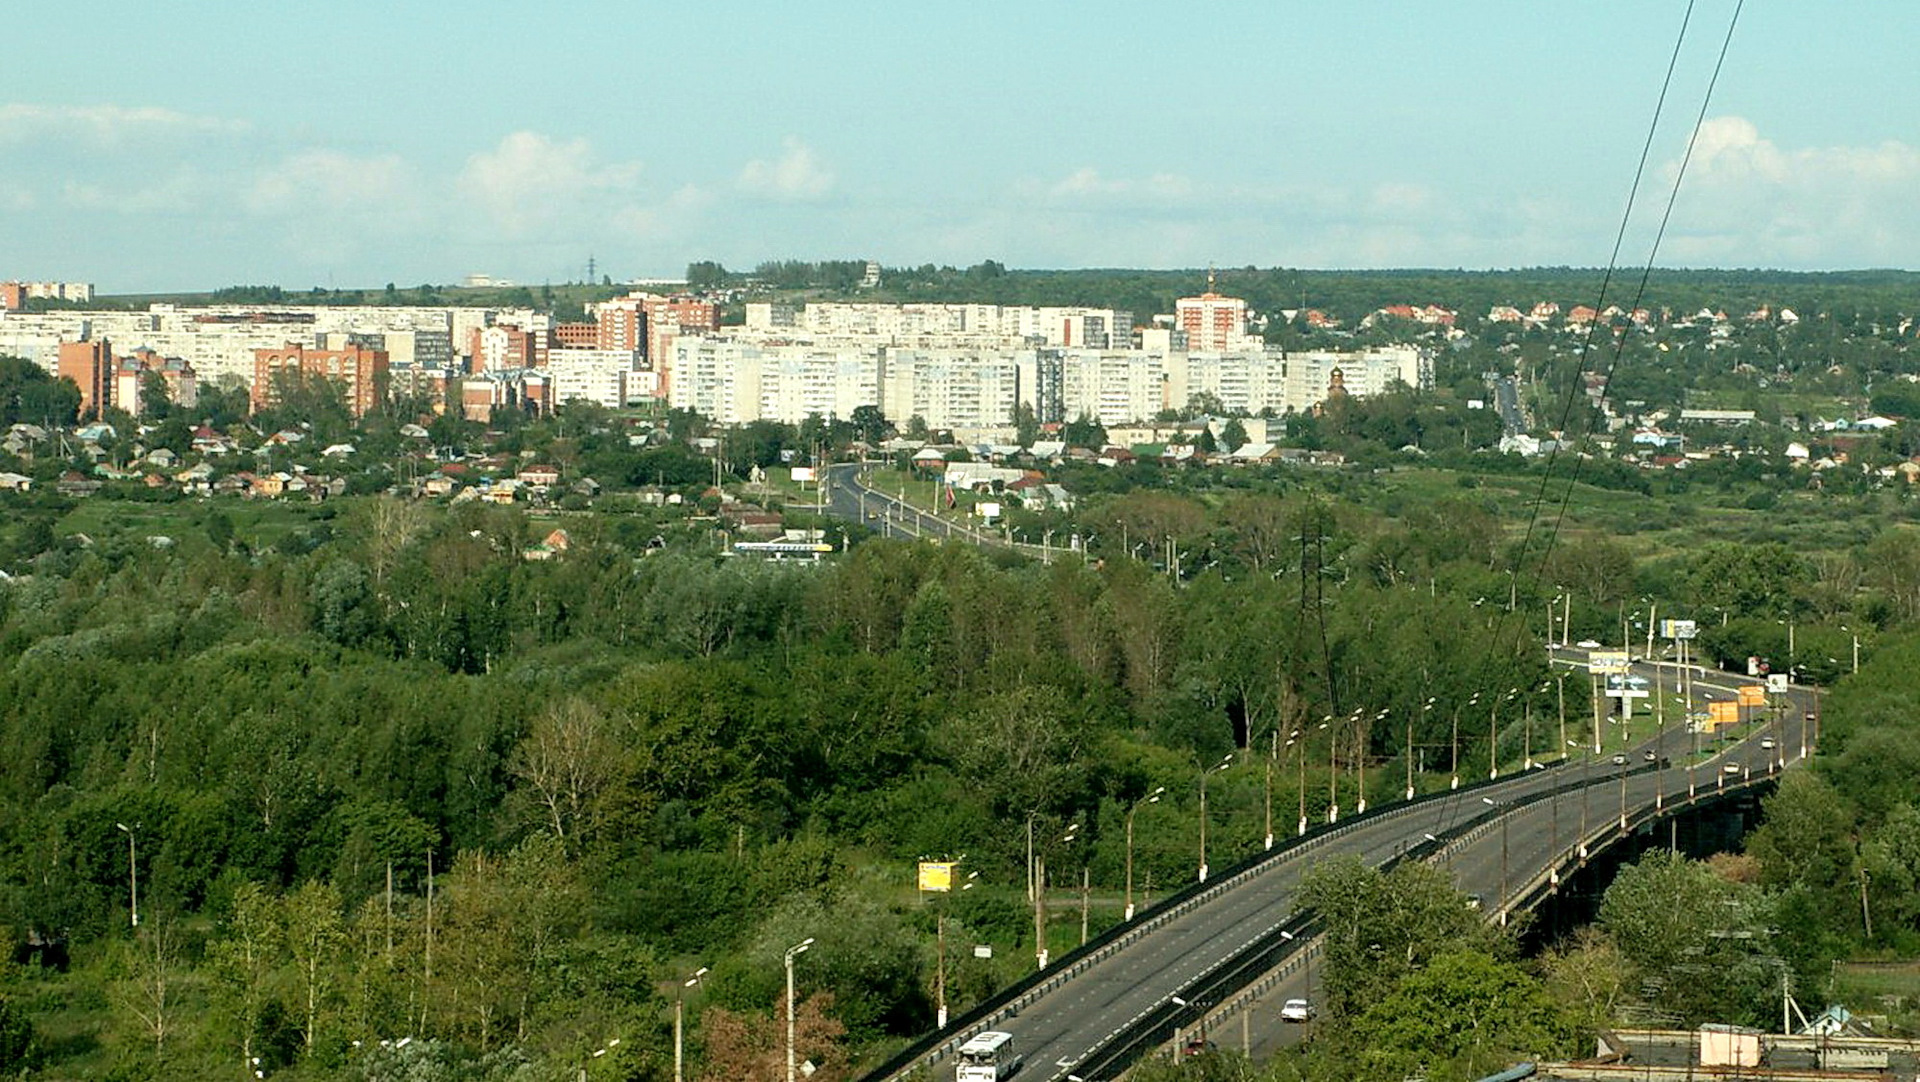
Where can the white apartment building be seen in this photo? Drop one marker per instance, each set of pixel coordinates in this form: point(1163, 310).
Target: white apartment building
point(60, 291)
point(798, 382)
point(1097, 328)
point(958, 389)
point(1246, 381)
point(600, 376)
point(1114, 387)
point(1368, 372)
point(219, 340)
point(734, 382)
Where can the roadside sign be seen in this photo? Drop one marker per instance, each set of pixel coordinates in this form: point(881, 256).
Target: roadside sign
point(1607, 662)
point(936, 875)
point(1721, 712)
point(1627, 686)
point(1777, 682)
point(1678, 629)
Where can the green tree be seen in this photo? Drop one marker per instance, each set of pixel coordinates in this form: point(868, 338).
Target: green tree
point(1465, 1009)
point(1026, 425)
point(1084, 431)
point(1749, 580)
point(1703, 944)
point(155, 403)
point(869, 424)
point(1381, 927)
point(1805, 843)
point(241, 961)
point(1234, 435)
point(19, 1046)
point(314, 932)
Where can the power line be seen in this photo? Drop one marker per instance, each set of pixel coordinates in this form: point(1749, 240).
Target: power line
point(1576, 387)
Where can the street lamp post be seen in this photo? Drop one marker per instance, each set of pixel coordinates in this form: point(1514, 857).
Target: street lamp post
point(1333, 771)
point(679, 1022)
point(1455, 758)
point(1222, 765)
point(940, 953)
point(1493, 736)
point(1038, 872)
point(133, 877)
point(1273, 753)
point(1300, 754)
point(796, 949)
point(1562, 681)
point(1424, 707)
point(1150, 798)
point(1366, 746)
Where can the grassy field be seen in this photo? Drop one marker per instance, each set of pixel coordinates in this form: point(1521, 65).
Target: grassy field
point(258, 523)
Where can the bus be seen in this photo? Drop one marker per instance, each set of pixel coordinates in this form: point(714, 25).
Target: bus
point(987, 1057)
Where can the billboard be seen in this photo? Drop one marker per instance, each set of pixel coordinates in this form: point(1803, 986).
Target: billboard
point(1627, 686)
point(936, 875)
point(1678, 629)
point(1721, 712)
point(1777, 681)
point(1753, 695)
point(803, 473)
point(1606, 662)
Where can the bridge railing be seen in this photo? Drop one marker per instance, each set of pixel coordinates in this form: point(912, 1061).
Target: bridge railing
point(1234, 984)
point(1538, 885)
point(1010, 1001)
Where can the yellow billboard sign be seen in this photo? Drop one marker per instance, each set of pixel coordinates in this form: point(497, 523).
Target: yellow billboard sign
point(1753, 695)
point(936, 875)
point(1723, 713)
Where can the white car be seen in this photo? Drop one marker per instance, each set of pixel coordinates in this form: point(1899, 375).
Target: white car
point(1296, 1010)
point(1731, 768)
point(1587, 644)
point(1767, 742)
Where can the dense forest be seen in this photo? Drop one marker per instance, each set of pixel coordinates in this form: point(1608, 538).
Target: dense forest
point(379, 777)
point(368, 789)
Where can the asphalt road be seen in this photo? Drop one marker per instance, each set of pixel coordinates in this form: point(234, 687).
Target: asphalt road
point(1063, 1026)
point(1066, 1025)
point(848, 497)
point(1504, 860)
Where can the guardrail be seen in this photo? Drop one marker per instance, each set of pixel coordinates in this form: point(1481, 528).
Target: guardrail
point(1208, 1003)
point(1538, 885)
point(937, 1047)
point(1234, 984)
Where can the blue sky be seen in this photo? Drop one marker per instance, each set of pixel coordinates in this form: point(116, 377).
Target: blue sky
point(153, 146)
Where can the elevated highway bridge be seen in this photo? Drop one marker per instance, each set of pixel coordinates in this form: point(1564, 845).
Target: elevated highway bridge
point(1219, 957)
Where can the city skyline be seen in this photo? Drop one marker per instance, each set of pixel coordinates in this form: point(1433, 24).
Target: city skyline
point(370, 143)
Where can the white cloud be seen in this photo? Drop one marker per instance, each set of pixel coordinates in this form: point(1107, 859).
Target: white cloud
point(328, 180)
point(530, 184)
point(1087, 183)
point(796, 175)
point(1748, 200)
point(175, 192)
point(104, 124)
point(1396, 198)
point(677, 218)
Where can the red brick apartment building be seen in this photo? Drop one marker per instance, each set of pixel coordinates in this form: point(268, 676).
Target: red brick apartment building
point(360, 371)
